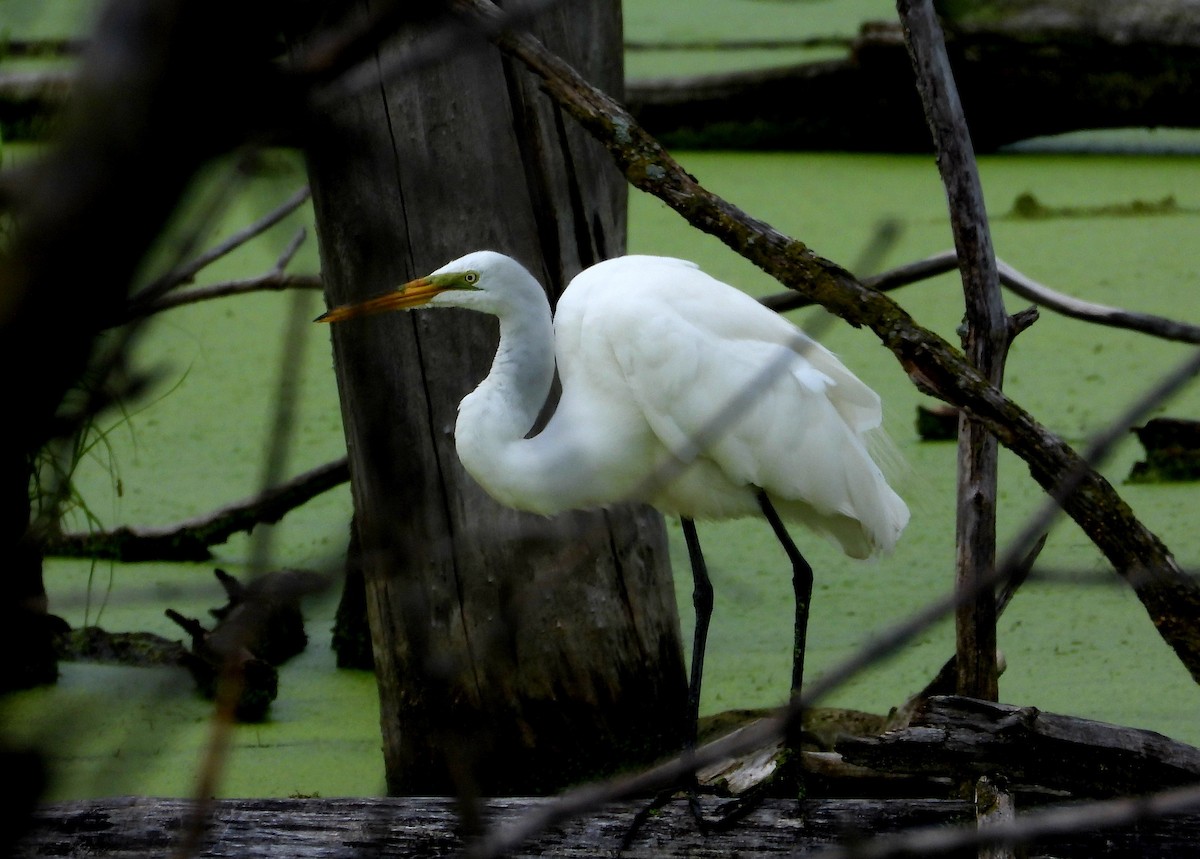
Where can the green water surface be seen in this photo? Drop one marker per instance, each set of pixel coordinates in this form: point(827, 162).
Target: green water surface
point(1085, 648)
point(1082, 646)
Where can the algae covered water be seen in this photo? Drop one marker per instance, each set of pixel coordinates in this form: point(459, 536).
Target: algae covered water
point(1077, 642)
point(1115, 229)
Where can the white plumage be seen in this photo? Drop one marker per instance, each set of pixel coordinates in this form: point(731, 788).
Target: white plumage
point(650, 352)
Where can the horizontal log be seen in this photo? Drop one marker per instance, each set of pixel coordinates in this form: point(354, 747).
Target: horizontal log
point(429, 826)
point(1028, 77)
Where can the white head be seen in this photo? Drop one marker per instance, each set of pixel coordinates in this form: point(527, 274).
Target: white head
point(485, 281)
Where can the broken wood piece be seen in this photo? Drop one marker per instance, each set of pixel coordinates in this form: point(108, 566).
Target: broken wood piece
point(937, 423)
point(265, 615)
point(1172, 451)
point(737, 775)
point(1037, 752)
point(213, 660)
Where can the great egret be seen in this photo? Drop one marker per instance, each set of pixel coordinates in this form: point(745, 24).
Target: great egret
point(650, 352)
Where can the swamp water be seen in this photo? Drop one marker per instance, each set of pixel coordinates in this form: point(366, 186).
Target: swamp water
point(1083, 647)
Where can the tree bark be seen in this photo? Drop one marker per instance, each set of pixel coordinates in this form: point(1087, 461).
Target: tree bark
point(514, 653)
point(985, 343)
point(428, 826)
point(342, 828)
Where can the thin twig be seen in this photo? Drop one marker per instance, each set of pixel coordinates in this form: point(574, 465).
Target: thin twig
point(1021, 284)
point(289, 252)
point(271, 282)
point(182, 274)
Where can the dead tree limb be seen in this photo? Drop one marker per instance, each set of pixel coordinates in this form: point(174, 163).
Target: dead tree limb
point(986, 338)
point(273, 281)
point(1021, 284)
point(186, 272)
point(1024, 70)
point(1164, 824)
point(1171, 599)
point(192, 539)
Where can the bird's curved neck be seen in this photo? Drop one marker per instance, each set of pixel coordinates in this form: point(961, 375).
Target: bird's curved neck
point(494, 420)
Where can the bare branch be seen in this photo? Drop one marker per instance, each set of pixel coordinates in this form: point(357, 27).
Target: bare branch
point(272, 282)
point(1022, 285)
point(1101, 314)
point(191, 539)
point(985, 341)
point(185, 273)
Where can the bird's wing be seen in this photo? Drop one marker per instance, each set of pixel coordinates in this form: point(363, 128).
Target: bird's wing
point(707, 365)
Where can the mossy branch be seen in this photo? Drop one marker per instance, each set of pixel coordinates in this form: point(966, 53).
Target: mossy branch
point(1170, 597)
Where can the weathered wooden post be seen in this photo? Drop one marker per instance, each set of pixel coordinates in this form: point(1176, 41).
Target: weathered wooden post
point(514, 653)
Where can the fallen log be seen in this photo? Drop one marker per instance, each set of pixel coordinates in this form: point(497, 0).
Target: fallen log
point(1034, 751)
point(430, 826)
point(1172, 451)
point(125, 828)
point(1057, 757)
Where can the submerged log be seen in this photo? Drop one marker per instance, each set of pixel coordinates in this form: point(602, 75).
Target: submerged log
point(221, 664)
point(1025, 70)
point(93, 644)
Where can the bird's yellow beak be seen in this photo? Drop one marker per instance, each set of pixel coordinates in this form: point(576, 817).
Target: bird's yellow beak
point(412, 294)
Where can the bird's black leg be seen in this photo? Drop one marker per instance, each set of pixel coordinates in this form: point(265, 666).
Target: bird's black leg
point(802, 584)
point(702, 602)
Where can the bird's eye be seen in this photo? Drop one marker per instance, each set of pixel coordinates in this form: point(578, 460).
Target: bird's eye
point(470, 277)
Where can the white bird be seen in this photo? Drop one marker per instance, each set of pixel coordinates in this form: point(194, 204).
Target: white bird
point(651, 353)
